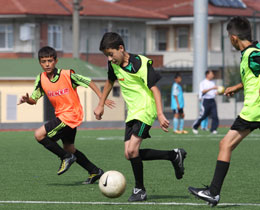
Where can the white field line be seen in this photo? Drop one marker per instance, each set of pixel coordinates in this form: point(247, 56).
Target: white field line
point(198, 137)
point(125, 203)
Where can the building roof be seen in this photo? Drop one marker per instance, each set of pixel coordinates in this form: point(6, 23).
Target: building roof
point(177, 8)
point(92, 8)
point(30, 68)
point(32, 7)
point(162, 9)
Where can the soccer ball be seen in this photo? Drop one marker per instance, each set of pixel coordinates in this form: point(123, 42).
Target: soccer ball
point(221, 89)
point(112, 184)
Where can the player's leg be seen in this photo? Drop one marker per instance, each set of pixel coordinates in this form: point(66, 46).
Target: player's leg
point(214, 116)
point(204, 112)
point(132, 154)
point(204, 124)
point(211, 194)
point(181, 120)
point(47, 136)
point(175, 121)
point(176, 156)
point(68, 140)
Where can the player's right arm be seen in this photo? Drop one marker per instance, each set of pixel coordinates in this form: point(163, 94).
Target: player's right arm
point(175, 94)
point(230, 91)
point(37, 93)
point(99, 111)
point(26, 99)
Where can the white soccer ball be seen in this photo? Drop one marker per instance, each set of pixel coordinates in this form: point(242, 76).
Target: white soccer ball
point(221, 89)
point(112, 184)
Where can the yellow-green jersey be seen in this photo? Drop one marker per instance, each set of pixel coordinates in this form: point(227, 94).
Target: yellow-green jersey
point(250, 71)
point(135, 81)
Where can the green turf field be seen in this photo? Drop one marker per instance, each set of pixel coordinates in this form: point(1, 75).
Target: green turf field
point(28, 173)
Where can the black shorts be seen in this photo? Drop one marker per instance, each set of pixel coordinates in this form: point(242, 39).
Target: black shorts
point(178, 111)
point(241, 124)
point(137, 128)
point(56, 129)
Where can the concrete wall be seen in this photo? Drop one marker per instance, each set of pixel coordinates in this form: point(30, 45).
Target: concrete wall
point(11, 91)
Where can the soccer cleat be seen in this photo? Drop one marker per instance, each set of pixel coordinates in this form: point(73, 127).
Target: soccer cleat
point(195, 131)
point(137, 195)
point(184, 132)
point(178, 162)
point(214, 132)
point(94, 177)
point(177, 132)
point(204, 194)
point(66, 163)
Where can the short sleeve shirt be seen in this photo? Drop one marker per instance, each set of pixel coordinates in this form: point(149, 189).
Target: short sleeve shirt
point(133, 66)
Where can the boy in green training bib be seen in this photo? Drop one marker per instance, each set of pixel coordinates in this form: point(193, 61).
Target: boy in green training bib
point(239, 31)
point(137, 80)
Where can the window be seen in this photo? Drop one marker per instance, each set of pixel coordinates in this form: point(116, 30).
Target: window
point(55, 36)
point(11, 107)
point(123, 32)
point(161, 39)
point(183, 37)
point(6, 36)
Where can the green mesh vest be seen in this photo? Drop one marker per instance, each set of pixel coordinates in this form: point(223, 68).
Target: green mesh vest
point(251, 108)
point(138, 97)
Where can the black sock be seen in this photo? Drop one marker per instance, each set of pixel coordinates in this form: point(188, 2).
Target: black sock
point(219, 176)
point(137, 166)
point(54, 147)
point(152, 154)
point(84, 162)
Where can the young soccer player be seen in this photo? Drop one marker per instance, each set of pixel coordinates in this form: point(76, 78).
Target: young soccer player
point(177, 105)
point(239, 31)
point(137, 80)
point(60, 86)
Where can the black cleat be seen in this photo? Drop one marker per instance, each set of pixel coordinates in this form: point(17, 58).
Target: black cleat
point(178, 162)
point(94, 177)
point(137, 195)
point(66, 163)
point(205, 194)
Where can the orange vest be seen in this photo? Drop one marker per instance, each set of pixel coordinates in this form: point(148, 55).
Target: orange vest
point(64, 98)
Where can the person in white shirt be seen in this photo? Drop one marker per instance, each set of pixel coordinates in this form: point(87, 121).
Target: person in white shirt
point(208, 89)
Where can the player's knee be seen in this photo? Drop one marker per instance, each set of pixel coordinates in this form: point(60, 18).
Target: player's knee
point(126, 156)
point(69, 148)
point(224, 145)
point(38, 136)
point(132, 153)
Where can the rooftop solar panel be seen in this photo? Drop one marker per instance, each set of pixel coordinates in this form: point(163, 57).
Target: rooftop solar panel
point(228, 3)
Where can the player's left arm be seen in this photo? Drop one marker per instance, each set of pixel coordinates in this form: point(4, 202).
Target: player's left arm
point(79, 80)
point(152, 79)
point(175, 94)
point(254, 63)
point(164, 123)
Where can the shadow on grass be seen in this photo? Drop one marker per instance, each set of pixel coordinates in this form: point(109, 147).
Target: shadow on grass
point(71, 184)
point(230, 206)
point(155, 197)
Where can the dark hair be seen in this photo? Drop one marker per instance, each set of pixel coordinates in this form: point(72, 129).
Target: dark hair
point(207, 72)
point(111, 40)
point(47, 52)
point(177, 75)
point(240, 26)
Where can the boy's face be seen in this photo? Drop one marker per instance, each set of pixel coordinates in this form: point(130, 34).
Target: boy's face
point(48, 64)
point(210, 75)
point(178, 80)
point(234, 41)
point(114, 55)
